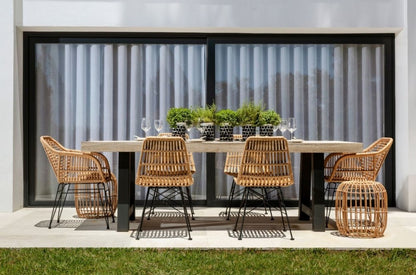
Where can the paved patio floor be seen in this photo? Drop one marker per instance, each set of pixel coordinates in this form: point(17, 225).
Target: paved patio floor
point(28, 228)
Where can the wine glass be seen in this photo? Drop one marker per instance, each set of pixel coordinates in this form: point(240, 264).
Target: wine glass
point(188, 127)
point(145, 125)
point(292, 127)
point(283, 126)
point(275, 128)
point(158, 125)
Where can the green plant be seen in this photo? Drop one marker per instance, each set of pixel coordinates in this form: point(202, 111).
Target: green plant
point(269, 117)
point(178, 115)
point(226, 116)
point(205, 115)
point(248, 114)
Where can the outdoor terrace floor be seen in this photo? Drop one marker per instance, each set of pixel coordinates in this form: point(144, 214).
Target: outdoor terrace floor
point(28, 228)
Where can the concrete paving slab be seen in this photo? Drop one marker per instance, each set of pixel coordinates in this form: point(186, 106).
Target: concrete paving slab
point(28, 227)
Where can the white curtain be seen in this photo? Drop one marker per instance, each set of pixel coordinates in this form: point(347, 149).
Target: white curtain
point(335, 92)
point(102, 91)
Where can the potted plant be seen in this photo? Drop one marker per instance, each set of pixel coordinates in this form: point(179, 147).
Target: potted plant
point(178, 118)
point(226, 119)
point(248, 117)
point(206, 118)
point(267, 120)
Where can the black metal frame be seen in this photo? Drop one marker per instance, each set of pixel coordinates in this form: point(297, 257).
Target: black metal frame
point(61, 195)
point(263, 195)
point(29, 110)
point(168, 193)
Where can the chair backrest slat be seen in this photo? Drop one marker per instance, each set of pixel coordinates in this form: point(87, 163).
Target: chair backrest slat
point(266, 161)
point(164, 157)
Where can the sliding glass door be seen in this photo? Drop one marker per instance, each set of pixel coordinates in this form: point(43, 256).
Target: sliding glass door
point(98, 86)
point(102, 92)
point(335, 91)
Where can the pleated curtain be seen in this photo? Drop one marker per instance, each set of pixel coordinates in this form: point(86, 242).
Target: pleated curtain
point(335, 92)
point(102, 92)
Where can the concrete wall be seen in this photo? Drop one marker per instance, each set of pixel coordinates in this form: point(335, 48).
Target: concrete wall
point(273, 16)
point(212, 15)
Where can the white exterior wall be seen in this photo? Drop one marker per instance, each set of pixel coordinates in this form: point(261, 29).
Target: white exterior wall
point(268, 16)
point(11, 181)
point(406, 111)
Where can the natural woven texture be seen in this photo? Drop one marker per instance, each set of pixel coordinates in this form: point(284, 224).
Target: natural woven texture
point(361, 209)
point(191, 156)
point(265, 163)
point(164, 162)
point(87, 200)
point(359, 166)
point(170, 134)
point(237, 136)
point(82, 168)
point(233, 160)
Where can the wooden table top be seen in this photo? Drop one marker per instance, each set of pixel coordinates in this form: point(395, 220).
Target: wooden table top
point(306, 146)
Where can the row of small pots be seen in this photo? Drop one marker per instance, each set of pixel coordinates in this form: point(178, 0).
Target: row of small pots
point(226, 132)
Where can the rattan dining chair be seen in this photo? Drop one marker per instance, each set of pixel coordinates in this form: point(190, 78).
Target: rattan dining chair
point(231, 167)
point(265, 165)
point(339, 167)
point(87, 175)
point(164, 167)
point(193, 170)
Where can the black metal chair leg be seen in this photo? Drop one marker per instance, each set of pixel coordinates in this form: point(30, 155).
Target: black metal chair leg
point(58, 196)
point(244, 214)
point(331, 188)
point(287, 217)
point(266, 198)
point(230, 200)
point(110, 201)
point(103, 204)
point(62, 201)
point(188, 192)
point(139, 228)
point(280, 208)
point(239, 209)
point(188, 223)
point(152, 207)
point(263, 192)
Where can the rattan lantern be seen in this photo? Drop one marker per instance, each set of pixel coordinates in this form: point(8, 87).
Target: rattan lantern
point(361, 209)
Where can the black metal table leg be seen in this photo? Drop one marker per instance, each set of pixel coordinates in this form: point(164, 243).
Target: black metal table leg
point(126, 188)
point(305, 210)
point(318, 202)
point(210, 180)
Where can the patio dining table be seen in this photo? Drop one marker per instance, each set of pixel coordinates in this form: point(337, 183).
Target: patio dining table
point(311, 172)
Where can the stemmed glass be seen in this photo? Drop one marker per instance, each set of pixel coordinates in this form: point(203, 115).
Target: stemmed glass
point(283, 126)
point(275, 128)
point(158, 125)
point(188, 127)
point(292, 127)
point(145, 126)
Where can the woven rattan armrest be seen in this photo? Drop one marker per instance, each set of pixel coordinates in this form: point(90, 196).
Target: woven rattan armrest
point(81, 166)
point(361, 165)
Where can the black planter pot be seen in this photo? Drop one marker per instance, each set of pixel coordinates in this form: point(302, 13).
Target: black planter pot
point(266, 130)
point(248, 131)
point(179, 131)
point(208, 131)
point(226, 133)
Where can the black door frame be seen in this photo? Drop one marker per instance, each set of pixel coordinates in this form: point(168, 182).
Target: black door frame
point(30, 39)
